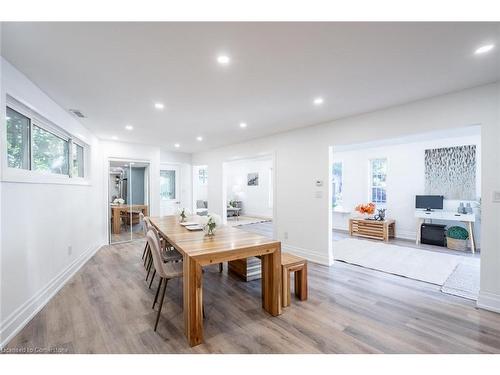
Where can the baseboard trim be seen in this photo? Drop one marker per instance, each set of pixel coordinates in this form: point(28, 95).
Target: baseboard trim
point(307, 254)
point(489, 301)
point(20, 317)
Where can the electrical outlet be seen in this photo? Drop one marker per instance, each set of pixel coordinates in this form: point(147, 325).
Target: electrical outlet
point(70, 250)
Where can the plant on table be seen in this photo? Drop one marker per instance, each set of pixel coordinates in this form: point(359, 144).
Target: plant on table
point(211, 223)
point(366, 208)
point(183, 214)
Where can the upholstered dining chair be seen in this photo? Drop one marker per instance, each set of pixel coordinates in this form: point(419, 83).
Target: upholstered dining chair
point(167, 271)
point(168, 252)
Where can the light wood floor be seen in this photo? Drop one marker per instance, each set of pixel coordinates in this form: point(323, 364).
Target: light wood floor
point(106, 308)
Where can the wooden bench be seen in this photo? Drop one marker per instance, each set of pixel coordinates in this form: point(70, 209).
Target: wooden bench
point(291, 263)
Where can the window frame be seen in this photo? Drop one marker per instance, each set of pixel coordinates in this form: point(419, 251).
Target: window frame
point(341, 200)
point(30, 175)
point(371, 186)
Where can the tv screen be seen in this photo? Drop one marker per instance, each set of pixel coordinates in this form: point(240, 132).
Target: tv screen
point(433, 202)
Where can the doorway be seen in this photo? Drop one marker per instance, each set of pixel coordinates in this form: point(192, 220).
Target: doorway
point(249, 194)
point(170, 192)
point(128, 198)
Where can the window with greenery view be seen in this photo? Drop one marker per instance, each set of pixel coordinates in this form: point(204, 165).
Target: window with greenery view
point(337, 184)
point(378, 180)
point(35, 145)
point(50, 153)
point(77, 153)
point(18, 145)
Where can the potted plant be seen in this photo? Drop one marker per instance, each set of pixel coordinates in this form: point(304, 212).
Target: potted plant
point(183, 213)
point(366, 209)
point(211, 223)
point(457, 238)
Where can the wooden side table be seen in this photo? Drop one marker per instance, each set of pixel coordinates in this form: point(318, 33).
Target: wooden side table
point(377, 230)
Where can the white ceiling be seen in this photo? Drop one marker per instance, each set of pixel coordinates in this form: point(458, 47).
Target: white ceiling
point(114, 72)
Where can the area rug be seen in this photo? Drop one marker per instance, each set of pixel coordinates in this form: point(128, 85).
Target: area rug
point(418, 264)
point(464, 281)
point(245, 220)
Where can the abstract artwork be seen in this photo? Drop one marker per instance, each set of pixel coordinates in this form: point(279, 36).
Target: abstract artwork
point(451, 171)
point(253, 179)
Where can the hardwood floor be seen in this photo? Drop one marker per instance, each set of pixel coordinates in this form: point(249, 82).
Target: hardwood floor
point(106, 308)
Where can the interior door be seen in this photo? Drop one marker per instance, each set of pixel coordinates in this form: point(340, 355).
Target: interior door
point(170, 199)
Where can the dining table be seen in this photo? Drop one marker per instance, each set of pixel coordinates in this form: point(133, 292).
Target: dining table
point(118, 209)
point(199, 249)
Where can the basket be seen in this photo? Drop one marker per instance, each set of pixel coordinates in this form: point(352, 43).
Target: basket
point(454, 244)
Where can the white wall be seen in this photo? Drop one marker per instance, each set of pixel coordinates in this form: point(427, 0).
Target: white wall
point(255, 198)
point(49, 228)
point(405, 176)
point(303, 156)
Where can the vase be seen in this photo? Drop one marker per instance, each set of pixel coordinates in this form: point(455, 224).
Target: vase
point(209, 231)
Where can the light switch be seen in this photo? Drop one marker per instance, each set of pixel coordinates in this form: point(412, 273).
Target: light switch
point(496, 196)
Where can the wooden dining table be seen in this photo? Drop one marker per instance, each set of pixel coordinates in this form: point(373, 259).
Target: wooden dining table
point(227, 244)
point(117, 210)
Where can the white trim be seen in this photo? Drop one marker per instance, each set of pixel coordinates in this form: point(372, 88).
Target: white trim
point(489, 301)
point(24, 313)
point(311, 256)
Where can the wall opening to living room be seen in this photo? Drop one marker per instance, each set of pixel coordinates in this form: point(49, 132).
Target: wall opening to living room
point(249, 193)
point(411, 206)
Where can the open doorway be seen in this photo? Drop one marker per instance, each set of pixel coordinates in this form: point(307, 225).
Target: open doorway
point(411, 206)
point(200, 190)
point(128, 197)
point(249, 193)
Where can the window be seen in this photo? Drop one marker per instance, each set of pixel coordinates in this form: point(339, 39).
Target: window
point(77, 153)
point(336, 184)
point(50, 153)
point(167, 184)
point(35, 144)
point(203, 176)
point(18, 144)
point(378, 180)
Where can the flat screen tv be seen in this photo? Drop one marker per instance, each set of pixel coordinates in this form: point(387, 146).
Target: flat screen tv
point(429, 202)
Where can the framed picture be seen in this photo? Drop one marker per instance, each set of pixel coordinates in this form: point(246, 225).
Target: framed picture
point(253, 179)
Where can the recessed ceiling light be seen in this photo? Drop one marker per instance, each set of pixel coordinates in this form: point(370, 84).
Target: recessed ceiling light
point(177, 145)
point(484, 49)
point(223, 59)
point(243, 125)
point(159, 105)
point(318, 101)
point(199, 139)
point(114, 138)
point(129, 127)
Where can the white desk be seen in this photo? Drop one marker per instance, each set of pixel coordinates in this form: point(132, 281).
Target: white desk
point(468, 219)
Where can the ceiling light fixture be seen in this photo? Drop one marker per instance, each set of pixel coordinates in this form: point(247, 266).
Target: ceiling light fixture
point(129, 127)
point(159, 106)
point(484, 49)
point(243, 125)
point(223, 59)
point(199, 139)
point(318, 101)
point(177, 145)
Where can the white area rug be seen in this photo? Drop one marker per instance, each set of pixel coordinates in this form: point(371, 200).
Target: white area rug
point(245, 220)
point(464, 281)
point(418, 264)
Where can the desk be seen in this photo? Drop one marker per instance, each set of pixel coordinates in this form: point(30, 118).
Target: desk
point(117, 209)
point(228, 244)
point(468, 219)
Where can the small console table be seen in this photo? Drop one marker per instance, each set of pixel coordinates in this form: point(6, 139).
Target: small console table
point(375, 229)
point(468, 219)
